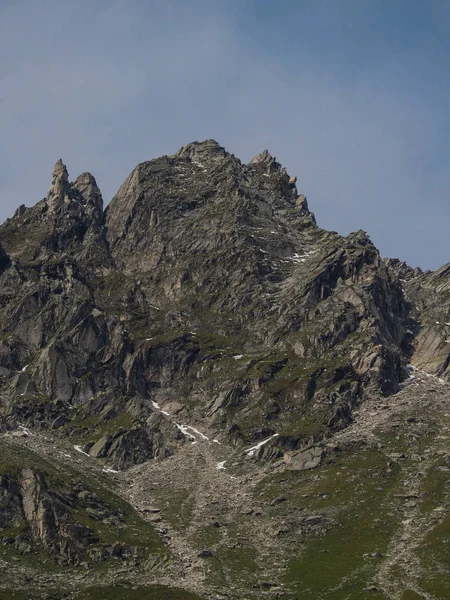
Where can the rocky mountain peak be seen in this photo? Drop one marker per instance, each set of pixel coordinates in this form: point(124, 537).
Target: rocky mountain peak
point(69, 220)
point(205, 154)
point(83, 191)
point(206, 147)
point(90, 194)
point(266, 161)
point(59, 190)
point(60, 171)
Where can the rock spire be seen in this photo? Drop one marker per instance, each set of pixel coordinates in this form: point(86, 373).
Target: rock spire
point(59, 189)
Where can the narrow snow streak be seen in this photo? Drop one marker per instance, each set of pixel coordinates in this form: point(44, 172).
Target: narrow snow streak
point(184, 430)
point(202, 435)
point(78, 449)
point(157, 406)
point(301, 258)
point(429, 375)
point(254, 449)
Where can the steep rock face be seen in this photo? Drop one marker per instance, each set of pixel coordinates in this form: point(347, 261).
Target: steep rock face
point(49, 520)
point(207, 283)
point(52, 514)
point(4, 259)
point(429, 296)
point(240, 244)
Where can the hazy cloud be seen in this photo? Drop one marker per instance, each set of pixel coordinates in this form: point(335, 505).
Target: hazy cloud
point(352, 97)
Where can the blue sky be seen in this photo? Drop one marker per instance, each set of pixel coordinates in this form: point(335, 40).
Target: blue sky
point(352, 96)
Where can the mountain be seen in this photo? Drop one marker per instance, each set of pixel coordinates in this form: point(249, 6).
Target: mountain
point(203, 394)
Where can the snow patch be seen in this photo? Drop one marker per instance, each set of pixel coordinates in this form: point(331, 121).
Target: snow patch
point(202, 435)
point(429, 375)
point(157, 406)
point(220, 465)
point(198, 163)
point(301, 258)
point(78, 449)
point(254, 449)
point(184, 430)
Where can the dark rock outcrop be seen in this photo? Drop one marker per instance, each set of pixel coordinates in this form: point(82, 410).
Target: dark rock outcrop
point(39, 516)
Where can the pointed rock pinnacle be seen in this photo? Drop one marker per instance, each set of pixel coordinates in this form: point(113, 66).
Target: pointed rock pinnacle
point(60, 185)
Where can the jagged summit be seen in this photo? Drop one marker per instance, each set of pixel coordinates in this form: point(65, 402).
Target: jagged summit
point(208, 187)
point(83, 190)
point(60, 173)
point(60, 188)
point(267, 161)
point(89, 194)
point(205, 148)
point(69, 219)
